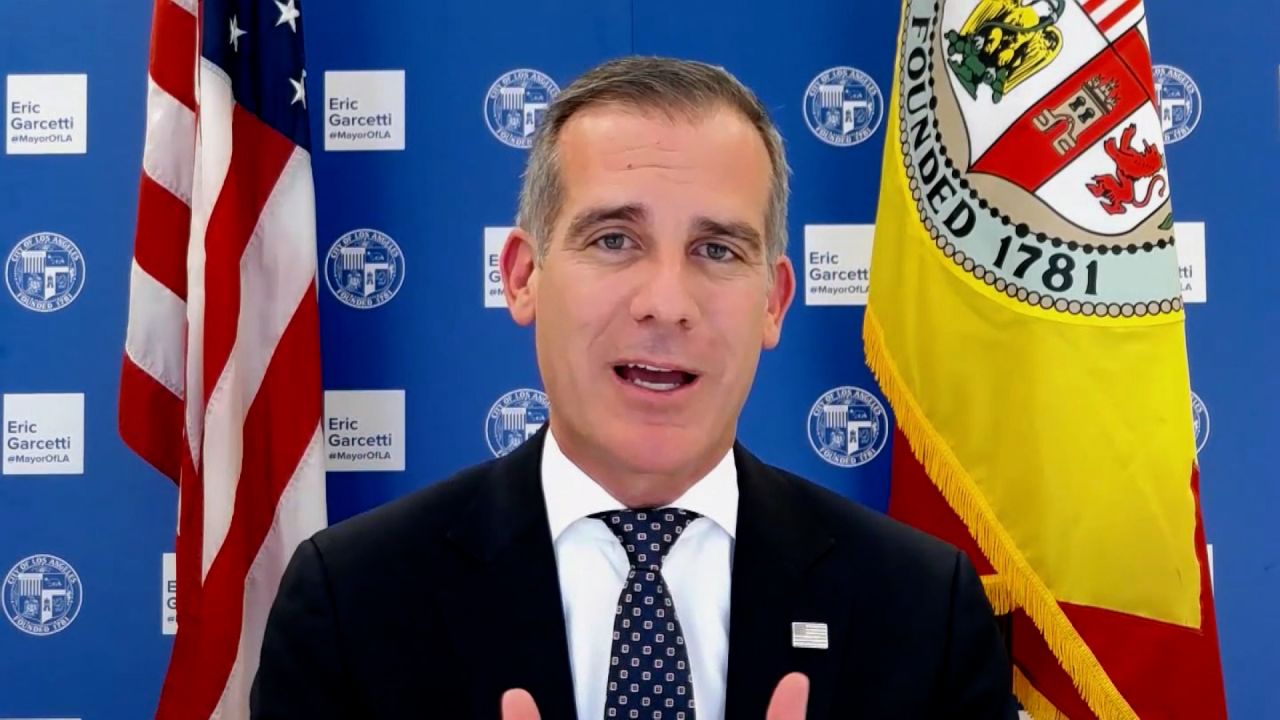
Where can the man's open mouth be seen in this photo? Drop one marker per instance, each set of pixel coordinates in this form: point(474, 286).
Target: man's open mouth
point(654, 377)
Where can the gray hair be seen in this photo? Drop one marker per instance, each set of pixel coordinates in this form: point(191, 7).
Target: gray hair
point(672, 86)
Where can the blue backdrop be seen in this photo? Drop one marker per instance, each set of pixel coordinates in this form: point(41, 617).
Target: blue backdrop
point(456, 360)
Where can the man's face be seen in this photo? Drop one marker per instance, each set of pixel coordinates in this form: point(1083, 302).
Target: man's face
point(654, 299)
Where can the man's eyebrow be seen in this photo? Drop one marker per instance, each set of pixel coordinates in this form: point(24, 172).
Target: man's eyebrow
point(732, 229)
point(591, 217)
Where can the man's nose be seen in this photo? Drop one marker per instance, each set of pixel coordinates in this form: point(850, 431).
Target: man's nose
point(665, 293)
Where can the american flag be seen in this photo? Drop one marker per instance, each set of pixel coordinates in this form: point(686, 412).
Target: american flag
point(221, 385)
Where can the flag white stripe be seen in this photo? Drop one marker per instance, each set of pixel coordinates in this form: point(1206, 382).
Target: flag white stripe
point(157, 324)
point(213, 158)
point(276, 270)
point(188, 5)
point(300, 513)
point(168, 155)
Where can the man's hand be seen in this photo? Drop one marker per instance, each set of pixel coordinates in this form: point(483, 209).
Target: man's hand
point(518, 705)
point(790, 699)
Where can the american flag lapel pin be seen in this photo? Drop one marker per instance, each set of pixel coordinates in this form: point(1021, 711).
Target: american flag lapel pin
point(809, 635)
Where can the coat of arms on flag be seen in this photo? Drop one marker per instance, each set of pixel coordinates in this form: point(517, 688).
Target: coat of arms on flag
point(1037, 123)
point(1026, 325)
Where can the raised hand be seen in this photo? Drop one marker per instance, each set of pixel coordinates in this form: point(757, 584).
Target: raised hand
point(518, 705)
point(790, 699)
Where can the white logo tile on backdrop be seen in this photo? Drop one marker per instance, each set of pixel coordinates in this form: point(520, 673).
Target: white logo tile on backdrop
point(364, 110)
point(364, 430)
point(44, 434)
point(46, 114)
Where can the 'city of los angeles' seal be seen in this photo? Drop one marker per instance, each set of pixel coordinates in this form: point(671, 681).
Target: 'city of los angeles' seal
point(1032, 142)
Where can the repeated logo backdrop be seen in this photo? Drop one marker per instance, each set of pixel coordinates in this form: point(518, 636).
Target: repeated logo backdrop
point(426, 111)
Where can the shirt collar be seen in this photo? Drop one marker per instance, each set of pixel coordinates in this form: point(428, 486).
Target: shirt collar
point(571, 494)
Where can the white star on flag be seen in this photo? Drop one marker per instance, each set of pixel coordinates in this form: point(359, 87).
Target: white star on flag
point(288, 14)
point(236, 33)
point(299, 87)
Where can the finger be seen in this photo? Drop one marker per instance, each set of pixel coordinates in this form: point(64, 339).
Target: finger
point(518, 705)
point(790, 699)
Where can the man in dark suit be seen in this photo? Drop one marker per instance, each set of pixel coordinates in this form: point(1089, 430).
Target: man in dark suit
point(632, 560)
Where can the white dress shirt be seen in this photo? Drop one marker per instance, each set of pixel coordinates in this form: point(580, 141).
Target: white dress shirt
point(593, 566)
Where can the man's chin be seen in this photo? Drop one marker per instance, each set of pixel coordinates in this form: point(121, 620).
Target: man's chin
point(662, 449)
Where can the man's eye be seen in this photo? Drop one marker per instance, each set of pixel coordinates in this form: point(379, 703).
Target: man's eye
point(612, 241)
point(716, 251)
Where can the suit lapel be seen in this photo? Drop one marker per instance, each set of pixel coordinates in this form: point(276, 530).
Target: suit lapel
point(505, 613)
point(506, 616)
point(779, 539)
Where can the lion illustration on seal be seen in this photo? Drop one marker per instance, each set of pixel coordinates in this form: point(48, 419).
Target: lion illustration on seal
point(1117, 191)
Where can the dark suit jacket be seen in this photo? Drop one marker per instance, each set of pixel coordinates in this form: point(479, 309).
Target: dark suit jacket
point(435, 604)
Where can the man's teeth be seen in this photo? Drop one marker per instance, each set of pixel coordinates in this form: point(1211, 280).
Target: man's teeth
point(661, 387)
point(653, 377)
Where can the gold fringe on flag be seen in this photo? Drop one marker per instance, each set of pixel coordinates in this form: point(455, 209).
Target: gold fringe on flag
point(1017, 586)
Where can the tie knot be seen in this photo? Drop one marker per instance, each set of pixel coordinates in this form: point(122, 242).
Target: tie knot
point(647, 535)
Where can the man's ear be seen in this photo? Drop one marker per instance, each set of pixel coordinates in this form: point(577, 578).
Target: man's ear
point(781, 293)
point(519, 275)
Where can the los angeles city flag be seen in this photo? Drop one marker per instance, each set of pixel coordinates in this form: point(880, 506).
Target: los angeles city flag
point(1026, 325)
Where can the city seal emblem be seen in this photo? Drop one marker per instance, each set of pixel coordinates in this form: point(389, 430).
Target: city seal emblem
point(42, 595)
point(45, 272)
point(515, 105)
point(848, 426)
point(1033, 152)
point(514, 418)
point(364, 269)
point(843, 106)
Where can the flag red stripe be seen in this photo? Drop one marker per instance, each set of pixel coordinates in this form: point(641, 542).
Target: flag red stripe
point(915, 500)
point(173, 51)
point(258, 155)
point(160, 246)
point(280, 423)
point(151, 420)
point(176, 694)
point(1036, 661)
point(1190, 688)
point(1091, 5)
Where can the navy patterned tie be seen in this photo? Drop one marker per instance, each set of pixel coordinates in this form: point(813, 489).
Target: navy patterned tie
point(649, 675)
